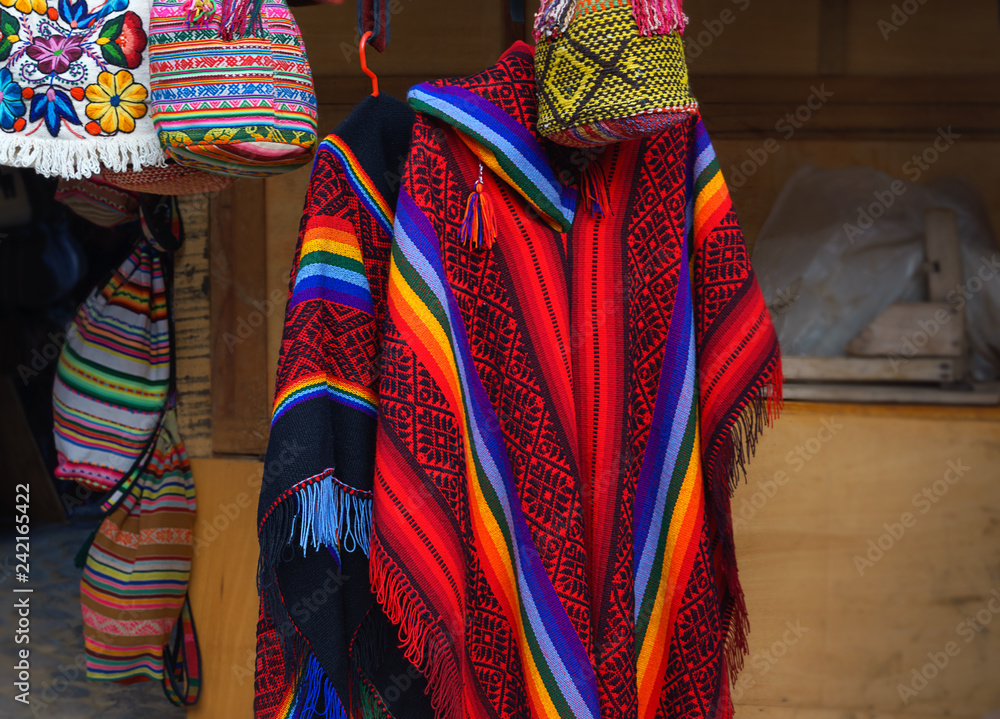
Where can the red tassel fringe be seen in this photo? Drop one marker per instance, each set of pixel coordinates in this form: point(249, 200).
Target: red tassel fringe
point(418, 634)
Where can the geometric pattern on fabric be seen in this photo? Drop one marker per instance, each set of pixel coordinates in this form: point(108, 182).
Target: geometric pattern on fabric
point(549, 387)
point(242, 106)
point(601, 72)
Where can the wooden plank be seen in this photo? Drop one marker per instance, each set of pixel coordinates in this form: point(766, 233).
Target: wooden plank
point(984, 396)
point(833, 37)
point(240, 400)
point(943, 254)
point(285, 197)
point(911, 329)
point(847, 471)
point(819, 488)
point(868, 369)
point(192, 320)
point(223, 585)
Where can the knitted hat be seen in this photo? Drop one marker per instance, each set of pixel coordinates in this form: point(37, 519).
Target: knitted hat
point(171, 179)
point(610, 71)
point(74, 87)
point(97, 201)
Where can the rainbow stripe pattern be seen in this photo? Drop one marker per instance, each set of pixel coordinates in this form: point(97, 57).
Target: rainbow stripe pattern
point(113, 375)
point(507, 147)
point(243, 107)
point(711, 195)
point(135, 578)
point(669, 503)
point(359, 181)
point(559, 677)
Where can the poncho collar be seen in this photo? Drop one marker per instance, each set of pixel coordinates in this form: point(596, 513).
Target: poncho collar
point(497, 113)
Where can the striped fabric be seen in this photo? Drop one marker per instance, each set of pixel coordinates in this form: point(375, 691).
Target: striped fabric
point(113, 374)
point(511, 150)
point(136, 573)
point(558, 672)
point(98, 201)
point(669, 503)
point(362, 185)
point(243, 107)
point(560, 415)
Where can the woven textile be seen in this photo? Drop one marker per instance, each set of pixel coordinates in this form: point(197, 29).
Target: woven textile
point(98, 201)
point(74, 87)
point(113, 374)
point(600, 81)
point(315, 502)
point(559, 417)
point(171, 179)
point(136, 574)
point(241, 105)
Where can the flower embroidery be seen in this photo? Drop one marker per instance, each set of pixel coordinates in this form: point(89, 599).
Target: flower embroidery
point(59, 65)
point(9, 28)
point(27, 6)
point(115, 102)
point(11, 104)
point(55, 106)
point(122, 40)
point(78, 14)
point(55, 54)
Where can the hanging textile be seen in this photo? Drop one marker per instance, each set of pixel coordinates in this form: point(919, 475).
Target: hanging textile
point(74, 87)
point(315, 503)
point(562, 416)
point(556, 373)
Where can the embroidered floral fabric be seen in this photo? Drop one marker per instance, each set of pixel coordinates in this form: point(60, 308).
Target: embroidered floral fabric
point(75, 86)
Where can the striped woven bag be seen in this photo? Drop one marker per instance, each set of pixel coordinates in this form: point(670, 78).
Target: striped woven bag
point(610, 70)
point(113, 374)
point(231, 87)
point(133, 593)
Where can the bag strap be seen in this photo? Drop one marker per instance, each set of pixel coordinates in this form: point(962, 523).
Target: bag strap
point(182, 660)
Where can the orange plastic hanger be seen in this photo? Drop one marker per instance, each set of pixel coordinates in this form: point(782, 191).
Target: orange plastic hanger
point(364, 63)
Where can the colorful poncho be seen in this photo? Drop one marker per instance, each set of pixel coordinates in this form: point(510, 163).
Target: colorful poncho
point(74, 87)
point(321, 637)
point(561, 413)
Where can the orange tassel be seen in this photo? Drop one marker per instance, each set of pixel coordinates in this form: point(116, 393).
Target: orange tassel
point(480, 223)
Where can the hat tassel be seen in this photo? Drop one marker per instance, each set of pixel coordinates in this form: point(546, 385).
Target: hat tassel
point(659, 17)
point(480, 223)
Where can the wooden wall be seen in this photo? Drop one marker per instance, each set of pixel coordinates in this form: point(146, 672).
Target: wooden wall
point(815, 496)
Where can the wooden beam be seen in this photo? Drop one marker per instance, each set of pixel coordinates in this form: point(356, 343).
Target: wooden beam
point(240, 401)
point(911, 329)
point(869, 369)
point(833, 37)
point(192, 328)
point(983, 396)
point(875, 108)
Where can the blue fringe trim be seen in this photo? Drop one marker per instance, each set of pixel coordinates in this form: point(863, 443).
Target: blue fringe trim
point(332, 515)
point(316, 695)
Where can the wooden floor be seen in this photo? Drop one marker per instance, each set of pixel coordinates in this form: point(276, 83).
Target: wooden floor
point(832, 637)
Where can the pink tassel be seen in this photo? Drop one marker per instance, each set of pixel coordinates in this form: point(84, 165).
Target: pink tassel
point(241, 18)
point(659, 17)
point(553, 17)
point(480, 224)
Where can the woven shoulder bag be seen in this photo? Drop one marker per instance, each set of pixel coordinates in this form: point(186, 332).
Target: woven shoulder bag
point(113, 374)
point(610, 70)
point(231, 88)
